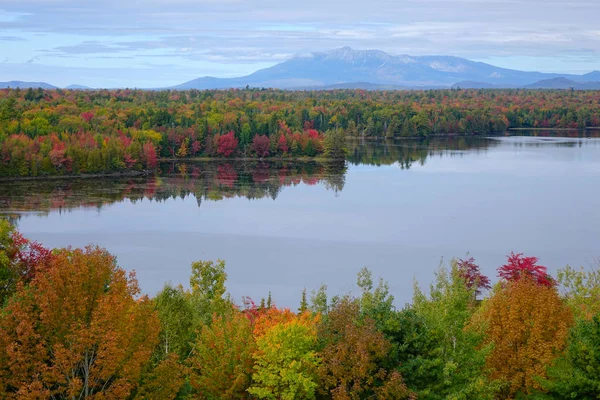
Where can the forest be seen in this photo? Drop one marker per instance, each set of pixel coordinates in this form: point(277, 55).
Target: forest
point(71, 132)
point(74, 324)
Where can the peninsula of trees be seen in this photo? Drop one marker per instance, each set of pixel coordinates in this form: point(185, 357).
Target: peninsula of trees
point(66, 132)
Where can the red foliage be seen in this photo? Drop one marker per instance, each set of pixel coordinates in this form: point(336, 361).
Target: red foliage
point(196, 146)
point(282, 144)
point(260, 145)
point(29, 256)
point(87, 116)
point(472, 275)
point(518, 267)
point(228, 144)
point(313, 134)
point(150, 154)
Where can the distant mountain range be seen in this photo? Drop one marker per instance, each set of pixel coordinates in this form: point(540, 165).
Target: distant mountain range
point(374, 69)
point(346, 68)
point(35, 85)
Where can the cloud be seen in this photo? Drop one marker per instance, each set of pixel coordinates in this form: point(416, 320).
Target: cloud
point(253, 32)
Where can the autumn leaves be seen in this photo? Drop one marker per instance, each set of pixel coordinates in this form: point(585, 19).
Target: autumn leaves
point(73, 325)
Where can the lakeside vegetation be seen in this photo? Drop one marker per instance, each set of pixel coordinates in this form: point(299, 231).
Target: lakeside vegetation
point(73, 324)
point(62, 132)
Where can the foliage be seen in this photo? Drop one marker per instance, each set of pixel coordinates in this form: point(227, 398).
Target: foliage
point(581, 289)
point(577, 374)
point(55, 132)
point(163, 381)
point(221, 364)
point(528, 325)
point(286, 361)
point(260, 145)
point(177, 321)
point(450, 363)
point(76, 331)
point(353, 356)
point(228, 144)
point(20, 260)
point(471, 274)
point(519, 267)
point(208, 293)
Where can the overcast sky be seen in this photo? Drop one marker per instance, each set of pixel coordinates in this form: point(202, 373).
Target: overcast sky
point(153, 43)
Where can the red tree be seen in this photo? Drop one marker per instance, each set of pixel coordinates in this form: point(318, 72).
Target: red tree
point(150, 154)
point(260, 144)
point(28, 256)
point(227, 144)
point(472, 275)
point(282, 144)
point(519, 266)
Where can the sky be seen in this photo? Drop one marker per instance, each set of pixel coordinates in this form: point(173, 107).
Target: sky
point(158, 43)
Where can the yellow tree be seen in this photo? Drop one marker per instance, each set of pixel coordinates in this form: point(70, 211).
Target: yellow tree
point(78, 330)
point(221, 363)
point(528, 325)
point(286, 361)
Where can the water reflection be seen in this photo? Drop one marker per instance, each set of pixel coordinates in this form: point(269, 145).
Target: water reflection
point(206, 181)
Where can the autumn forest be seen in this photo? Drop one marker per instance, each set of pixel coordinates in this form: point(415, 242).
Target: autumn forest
point(66, 132)
point(73, 324)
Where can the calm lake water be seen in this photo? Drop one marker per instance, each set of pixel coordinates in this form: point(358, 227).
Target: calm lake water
point(399, 208)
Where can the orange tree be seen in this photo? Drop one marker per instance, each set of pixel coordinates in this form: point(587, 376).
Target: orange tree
point(528, 325)
point(78, 330)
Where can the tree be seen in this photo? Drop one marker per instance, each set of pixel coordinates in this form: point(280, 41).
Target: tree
point(163, 381)
point(577, 374)
point(208, 292)
point(227, 144)
point(177, 320)
point(260, 145)
point(221, 364)
point(527, 324)
point(518, 267)
point(581, 290)
point(282, 145)
point(150, 156)
point(353, 355)
point(77, 330)
point(449, 361)
point(20, 260)
point(334, 144)
point(286, 361)
point(471, 274)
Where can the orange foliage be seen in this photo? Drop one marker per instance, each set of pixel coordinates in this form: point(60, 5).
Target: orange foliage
point(76, 331)
point(528, 325)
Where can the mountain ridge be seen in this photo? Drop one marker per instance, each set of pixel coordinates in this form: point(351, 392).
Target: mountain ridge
point(346, 65)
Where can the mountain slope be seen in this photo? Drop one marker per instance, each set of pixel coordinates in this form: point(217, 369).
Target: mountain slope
point(26, 85)
point(345, 66)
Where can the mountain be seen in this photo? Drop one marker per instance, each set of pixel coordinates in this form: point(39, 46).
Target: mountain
point(563, 83)
point(78, 87)
point(26, 85)
point(351, 68)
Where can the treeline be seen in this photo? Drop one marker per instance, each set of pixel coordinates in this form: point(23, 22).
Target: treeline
point(46, 132)
point(74, 325)
point(205, 181)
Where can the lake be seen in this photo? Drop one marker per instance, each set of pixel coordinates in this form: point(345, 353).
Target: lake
point(399, 208)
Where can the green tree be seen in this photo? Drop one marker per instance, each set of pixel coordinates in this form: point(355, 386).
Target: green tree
point(581, 290)
point(334, 144)
point(576, 375)
point(286, 361)
point(208, 292)
point(177, 318)
point(452, 364)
